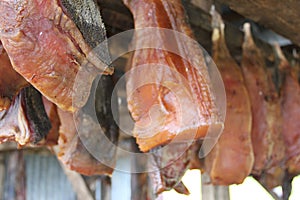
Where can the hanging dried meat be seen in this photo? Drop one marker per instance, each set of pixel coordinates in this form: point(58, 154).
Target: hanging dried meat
point(10, 81)
point(48, 50)
point(176, 98)
point(195, 161)
point(290, 94)
point(266, 132)
point(88, 146)
point(51, 110)
point(25, 121)
point(231, 159)
point(273, 175)
point(168, 165)
point(73, 153)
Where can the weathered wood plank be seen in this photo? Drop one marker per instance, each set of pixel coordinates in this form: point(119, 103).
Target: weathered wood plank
point(281, 16)
point(117, 18)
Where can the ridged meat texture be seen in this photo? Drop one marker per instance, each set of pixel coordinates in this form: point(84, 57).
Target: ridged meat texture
point(10, 81)
point(167, 95)
point(231, 159)
point(47, 49)
point(290, 94)
point(266, 122)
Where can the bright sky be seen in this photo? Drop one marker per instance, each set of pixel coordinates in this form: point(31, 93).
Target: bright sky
point(249, 190)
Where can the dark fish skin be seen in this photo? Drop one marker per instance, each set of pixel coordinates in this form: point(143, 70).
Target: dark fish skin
point(75, 152)
point(35, 113)
point(26, 120)
point(94, 35)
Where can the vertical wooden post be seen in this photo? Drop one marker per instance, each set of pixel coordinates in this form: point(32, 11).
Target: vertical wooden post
point(211, 192)
point(139, 181)
point(105, 188)
point(79, 185)
point(2, 174)
point(14, 186)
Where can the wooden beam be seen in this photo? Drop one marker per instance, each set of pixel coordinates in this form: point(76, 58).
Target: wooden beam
point(281, 16)
point(118, 18)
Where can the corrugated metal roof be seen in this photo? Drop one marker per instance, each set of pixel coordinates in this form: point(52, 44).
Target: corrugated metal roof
point(45, 180)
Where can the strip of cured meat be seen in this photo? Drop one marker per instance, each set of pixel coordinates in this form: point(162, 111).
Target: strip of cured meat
point(163, 179)
point(266, 123)
point(290, 94)
point(231, 159)
point(89, 148)
point(73, 153)
point(168, 165)
point(195, 161)
point(25, 121)
point(47, 49)
point(167, 95)
point(10, 81)
point(273, 175)
point(51, 110)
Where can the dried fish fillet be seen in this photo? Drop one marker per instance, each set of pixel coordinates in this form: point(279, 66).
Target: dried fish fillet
point(167, 95)
point(231, 159)
point(266, 124)
point(48, 50)
point(10, 81)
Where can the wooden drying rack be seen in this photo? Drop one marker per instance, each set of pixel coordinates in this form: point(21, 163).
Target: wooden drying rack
point(117, 19)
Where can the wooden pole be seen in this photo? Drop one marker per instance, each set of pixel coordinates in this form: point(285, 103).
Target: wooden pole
point(139, 181)
point(14, 186)
point(211, 192)
point(2, 174)
point(105, 188)
point(79, 185)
